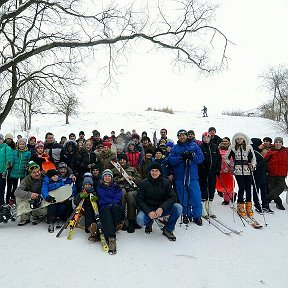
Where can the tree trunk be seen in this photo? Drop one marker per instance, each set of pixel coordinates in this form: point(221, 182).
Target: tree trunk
point(67, 118)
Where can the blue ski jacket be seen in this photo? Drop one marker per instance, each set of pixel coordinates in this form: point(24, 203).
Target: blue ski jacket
point(49, 185)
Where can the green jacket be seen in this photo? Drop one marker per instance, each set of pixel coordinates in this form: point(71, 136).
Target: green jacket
point(19, 163)
point(5, 156)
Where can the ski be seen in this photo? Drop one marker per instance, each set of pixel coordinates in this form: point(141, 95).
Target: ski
point(227, 226)
point(99, 225)
point(221, 228)
point(123, 173)
point(250, 220)
point(73, 222)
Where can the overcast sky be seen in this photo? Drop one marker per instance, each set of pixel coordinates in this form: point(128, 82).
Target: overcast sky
point(259, 30)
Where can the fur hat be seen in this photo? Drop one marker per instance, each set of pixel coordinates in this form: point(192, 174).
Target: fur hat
point(155, 165)
point(280, 139)
point(39, 144)
point(268, 139)
point(1, 137)
point(9, 136)
point(52, 172)
point(107, 172)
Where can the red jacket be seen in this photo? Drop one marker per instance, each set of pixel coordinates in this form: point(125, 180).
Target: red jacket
point(133, 158)
point(277, 162)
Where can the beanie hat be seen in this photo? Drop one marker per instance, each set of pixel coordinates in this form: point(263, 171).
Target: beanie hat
point(256, 142)
point(148, 151)
point(1, 137)
point(32, 137)
point(81, 133)
point(122, 156)
point(211, 128)
point(39, 144)
point(206, 134)
point(155, 165)
point(87, 174)
point(9, 136)
point(280, 139)
point(268, 139)
point(22, 140)
point(131, 143)
point(107, 172)
point(158, 150)
point(169, 144)
point(87, 180)
point(52, 172)
point(31, 166)
point(62, 165)
point(95, 132)
point(182, 131)
point(107, 144)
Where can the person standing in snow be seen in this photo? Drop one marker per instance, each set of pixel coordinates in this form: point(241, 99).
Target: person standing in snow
point(184, 158)
point(244, 161)
point(214, 138)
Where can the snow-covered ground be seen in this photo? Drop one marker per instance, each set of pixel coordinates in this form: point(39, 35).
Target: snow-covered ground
point(201, 257)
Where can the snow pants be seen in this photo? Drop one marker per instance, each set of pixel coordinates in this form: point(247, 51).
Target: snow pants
point(110, 217)
point(207, 184)
point(244, 184)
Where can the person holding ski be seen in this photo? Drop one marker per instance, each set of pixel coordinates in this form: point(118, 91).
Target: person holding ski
point(241, 155)
point(185, 157)
point(110, 208)
point(156, 199)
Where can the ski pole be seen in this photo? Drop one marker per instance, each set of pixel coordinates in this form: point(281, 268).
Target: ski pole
point(258, 198)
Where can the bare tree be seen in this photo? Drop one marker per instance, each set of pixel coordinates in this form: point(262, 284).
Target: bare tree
point(275, 80)
point(38, 35)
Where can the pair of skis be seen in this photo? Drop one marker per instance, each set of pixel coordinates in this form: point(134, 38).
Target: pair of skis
point(249, 220)
point(222, 227)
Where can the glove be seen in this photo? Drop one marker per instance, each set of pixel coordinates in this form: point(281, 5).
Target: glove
point(187, 155)
point(93, 198)
point(50, 199)
point(83, 195)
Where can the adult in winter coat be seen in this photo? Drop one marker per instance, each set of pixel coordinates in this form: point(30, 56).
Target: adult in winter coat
point(52, 148)
point(214, 138)
point(225, 183)
point(184, 158)
point(260, 177)
point(166, 169)
point(30, 189)
point(110, 197)
point(134, 157)
point(106, 155)
point(144, 164)
point(209, 169)
point(19, 164)
point(5, 157)
point(277, 167)
point(244, 161)
point(68, 153)
point(128, 192)
point(155, 199)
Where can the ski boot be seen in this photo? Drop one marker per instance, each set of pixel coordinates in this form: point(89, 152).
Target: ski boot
point(112, 246)
point(241, 209)
point(249, 210)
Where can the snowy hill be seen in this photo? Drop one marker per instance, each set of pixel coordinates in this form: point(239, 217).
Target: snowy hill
point(202, 257)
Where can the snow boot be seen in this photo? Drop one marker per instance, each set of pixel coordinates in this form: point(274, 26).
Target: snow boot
point(23, 222)
point(249, 210)
point(112, 246)
point(208, 206)
point(131, 226)
point(169, 234)
point(185, 219)
point(204, 211)
point(51, 228)
point(280, 206)
point(93, 232)
point(241, 209)
point(148, 229)
point(198, 221)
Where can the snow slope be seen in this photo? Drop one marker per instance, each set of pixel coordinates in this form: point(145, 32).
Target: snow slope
point(201, 257)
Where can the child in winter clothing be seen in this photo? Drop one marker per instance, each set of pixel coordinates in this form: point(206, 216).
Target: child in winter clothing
point(53, 182)
point(88, 193)
point(244, 162)
point(19, 164)
point(110, 195)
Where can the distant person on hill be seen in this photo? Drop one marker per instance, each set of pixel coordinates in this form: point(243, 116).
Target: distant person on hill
point(214, 138)
point(204, 111)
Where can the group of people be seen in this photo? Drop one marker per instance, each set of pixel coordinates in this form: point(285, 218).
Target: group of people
point(172, 179)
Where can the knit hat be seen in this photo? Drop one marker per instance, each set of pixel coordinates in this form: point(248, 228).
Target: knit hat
point(52, 172)
point(81, 133)
point(31, 166)
point(169, 144)
point(95, 132)
point(62, 165)
point(107, 144)
point(182, 131)
point(107, 172)
point(211, 128)
point(39, 144)
point(155, 165)
point(256, 142)
point(280, 139)
point(9, 136)
point(87, 180)
point(206, 134)
point(268, 139)
point(32, 137)
point(1, 137)
point(122, 156)
point(24, 140)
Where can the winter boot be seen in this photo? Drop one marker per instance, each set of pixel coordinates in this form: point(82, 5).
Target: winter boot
point(148, 229)
point(208, 206)
point(241, 209)
point(280, 206)
point(51, 228)
point(204, 211)
point(112, 246)
point(23, 222)
point(198, 221)
point(249, 210)
point(185, 219)
point(93, 232)
point(131, 226)
point(169, 234)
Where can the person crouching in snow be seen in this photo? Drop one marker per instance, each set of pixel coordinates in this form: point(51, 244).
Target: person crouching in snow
point(155, 199)
point(88, 193)
point(209, 169)
point(111, 213)
point(52, 182)
point(244, 161)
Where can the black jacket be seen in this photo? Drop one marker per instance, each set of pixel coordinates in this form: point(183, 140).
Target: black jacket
point(212, 159)
point(155, 193)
